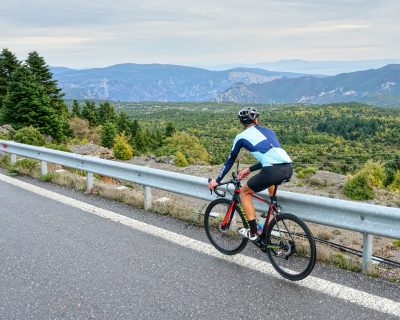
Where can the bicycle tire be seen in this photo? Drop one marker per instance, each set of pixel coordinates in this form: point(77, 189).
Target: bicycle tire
point(227, 241)
point(290, 247)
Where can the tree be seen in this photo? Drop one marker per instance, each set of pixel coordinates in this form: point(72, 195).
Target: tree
point(8, 64)
point(170, 129)
point(123, 122)
point(106, 113)
point(37, 65)
point(89, 112)
point(108, 134)
point(27, 104)
point(139, 141)
point(134, 127)
point(76, 109)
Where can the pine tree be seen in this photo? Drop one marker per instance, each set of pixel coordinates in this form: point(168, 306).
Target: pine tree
point(134, 127)
point(123, 122)
point(76, 109)
point(139, 140)
point(108, 134)
point(27, 104)
point(106, 113)
point(37, 65)
point(169, 130)
point(8, 64)
point(89, 112)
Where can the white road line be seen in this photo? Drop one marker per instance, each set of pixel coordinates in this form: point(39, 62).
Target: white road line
point(324, 286)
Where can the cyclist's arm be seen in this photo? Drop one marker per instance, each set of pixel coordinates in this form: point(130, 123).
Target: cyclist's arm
point(237, 145)
point(255, 167)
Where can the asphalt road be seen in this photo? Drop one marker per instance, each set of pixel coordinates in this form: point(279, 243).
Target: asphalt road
point(60, 262)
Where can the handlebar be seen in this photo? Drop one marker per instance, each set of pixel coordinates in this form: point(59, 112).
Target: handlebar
point(235, 181)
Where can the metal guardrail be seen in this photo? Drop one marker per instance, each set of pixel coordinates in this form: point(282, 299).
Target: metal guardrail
point(361, 217)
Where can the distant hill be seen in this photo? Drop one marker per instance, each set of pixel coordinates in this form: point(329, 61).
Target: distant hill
point(376, 86)
point(157, 82)
point(314, 67)
point(172, 83)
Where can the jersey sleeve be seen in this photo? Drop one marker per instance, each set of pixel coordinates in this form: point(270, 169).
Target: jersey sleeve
point(237, 145)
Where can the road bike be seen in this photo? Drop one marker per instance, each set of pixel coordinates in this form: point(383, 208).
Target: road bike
point(284, 238)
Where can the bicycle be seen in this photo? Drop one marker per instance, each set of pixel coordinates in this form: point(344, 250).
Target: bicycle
point(285, 238)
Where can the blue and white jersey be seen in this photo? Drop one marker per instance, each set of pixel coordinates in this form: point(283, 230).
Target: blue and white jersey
point(262, 144)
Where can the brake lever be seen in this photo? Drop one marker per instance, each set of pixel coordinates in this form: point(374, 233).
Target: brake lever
point(211, 190)
point(222, 195)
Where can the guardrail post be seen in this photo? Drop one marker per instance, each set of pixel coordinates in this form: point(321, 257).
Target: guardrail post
point(367, 252)
point(43, 168)
point(13, 158)
point(89, 181)
point(147, 198)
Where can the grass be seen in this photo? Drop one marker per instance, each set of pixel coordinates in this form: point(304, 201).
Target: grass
point(345, 263)
point(396, 243)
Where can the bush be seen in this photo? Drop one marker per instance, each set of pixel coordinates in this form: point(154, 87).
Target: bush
point(187, 144)
point(122, 149)
point(5, 161)
point(306, 172)
point(26, 166)
point(358, 187)
point(180, 160)
point(29, 135)
point(395, 185)
point(80, 127)
point(375, 173)
point(396, 243)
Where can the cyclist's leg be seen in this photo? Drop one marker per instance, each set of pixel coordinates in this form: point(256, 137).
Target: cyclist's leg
point(247, 202)
point(266, 178)
point(257, 183)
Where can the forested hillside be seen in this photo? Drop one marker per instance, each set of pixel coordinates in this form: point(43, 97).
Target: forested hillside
point(337, 137)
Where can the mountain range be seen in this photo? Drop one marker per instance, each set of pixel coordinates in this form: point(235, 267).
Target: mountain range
point(168, 83)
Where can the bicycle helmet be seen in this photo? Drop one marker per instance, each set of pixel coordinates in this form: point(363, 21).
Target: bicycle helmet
point(247, 115)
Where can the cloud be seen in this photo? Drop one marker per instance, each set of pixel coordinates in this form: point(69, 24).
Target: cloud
point(84, 34)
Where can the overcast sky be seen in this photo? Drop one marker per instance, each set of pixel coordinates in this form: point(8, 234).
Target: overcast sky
point(78, 33)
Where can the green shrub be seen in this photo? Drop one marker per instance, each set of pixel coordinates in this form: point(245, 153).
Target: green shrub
point(358, 187)
point(395, 185)
point(180, 160)
point(122, 149)
point(26, 166)
point(306, 172)
point(375, 173)
point(5, 161)
point(29, 135)
point(47, 177)
point(60, 147)
point(396, 243)
point(189, 145)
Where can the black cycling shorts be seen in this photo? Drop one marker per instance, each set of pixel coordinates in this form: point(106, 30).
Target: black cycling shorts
point(269, 176)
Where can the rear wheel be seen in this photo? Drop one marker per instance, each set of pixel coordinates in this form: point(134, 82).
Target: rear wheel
point(290, 247)
point(223, 233)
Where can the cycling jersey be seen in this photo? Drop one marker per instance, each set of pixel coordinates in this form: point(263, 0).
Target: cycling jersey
point(262, 143)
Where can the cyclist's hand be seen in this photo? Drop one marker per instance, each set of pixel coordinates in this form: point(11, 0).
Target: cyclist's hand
point(244, 173)
point(212, 184)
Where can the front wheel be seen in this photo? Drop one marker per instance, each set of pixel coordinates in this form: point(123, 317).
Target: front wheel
point(290, 247)
point(222, 220)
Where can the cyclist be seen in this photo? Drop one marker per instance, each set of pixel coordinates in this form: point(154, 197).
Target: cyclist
point(273, 161)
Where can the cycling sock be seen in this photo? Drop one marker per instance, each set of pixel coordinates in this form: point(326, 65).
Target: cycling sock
point(253, 227)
